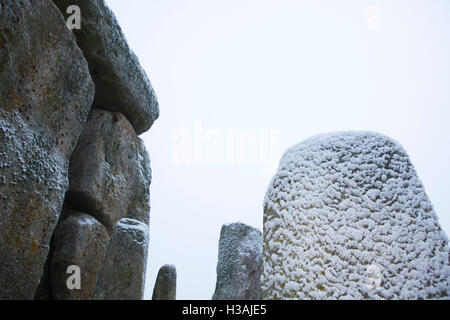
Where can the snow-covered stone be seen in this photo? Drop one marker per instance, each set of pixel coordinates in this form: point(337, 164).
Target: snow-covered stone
point(346, 217)
point(46, 92)
point(240, 263)
point(166, 283)
point(123, 274)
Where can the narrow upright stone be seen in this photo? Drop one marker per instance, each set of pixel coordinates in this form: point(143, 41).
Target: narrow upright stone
point(166, 284)
point(240, 263)
point(81, 241)
point(123, 273)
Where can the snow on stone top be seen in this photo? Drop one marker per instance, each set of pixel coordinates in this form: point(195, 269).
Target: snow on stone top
point(346, 217)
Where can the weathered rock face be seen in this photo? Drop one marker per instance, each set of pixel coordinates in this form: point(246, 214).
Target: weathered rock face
point(121, 84)
point(80, 240)
point(166, 284)
point(346, 217)
point(110, 171)
point(240, 263)
point(45, 96)
point(123, 273)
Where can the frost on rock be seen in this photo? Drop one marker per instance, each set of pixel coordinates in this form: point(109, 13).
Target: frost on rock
point(346, 217)
point(110, 172)
point(240, 263)
point(46, 92)
point(123, 273)
point(166, 283)
point(121, 84)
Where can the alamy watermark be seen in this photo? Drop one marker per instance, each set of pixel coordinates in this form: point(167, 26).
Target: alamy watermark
point(74, 20)
point(213, 146)
point(74, 280)
point(374, 17)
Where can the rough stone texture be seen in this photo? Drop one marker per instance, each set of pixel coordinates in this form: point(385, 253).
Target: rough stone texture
point(44, 291)
point(346, 217)
point(240, 263)
point(121, 84)
point(166, 284)
point(45, 95)
point(110, 171)
point(123, 273)
point(82, 241)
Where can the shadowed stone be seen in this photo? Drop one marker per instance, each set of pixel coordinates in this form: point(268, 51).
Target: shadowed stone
point(82, 241)
point(123, 273)
point(240, 263)
point(45, 96)
point(121, 84)
point(166, 284)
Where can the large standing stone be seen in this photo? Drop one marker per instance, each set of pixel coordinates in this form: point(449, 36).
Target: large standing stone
point(110, 171)
point(166, 284)
point(240, 263)
point(346, 217)
point(123, 273)
point(80, 240)
point(45, 96)
point(121, 84)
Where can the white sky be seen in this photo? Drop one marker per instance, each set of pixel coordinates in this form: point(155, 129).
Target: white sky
point(297, 68)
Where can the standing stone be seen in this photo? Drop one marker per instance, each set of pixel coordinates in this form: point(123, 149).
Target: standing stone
point(240, 263)
point(123, 273)
point(121, 84)
point(110, 171)
point(346, 217)
point(82, 241)
point(45, 96)
point(166, 284)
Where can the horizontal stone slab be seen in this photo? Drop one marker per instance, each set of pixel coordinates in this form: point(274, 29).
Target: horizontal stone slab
point(120, 82)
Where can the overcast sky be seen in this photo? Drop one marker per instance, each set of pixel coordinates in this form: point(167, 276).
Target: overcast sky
point(275, 73)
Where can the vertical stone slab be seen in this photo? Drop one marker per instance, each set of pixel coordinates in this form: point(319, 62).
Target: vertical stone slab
point(346, 217)
point(123, 273)
point(45, 95)
point(240, 263)
point(110, 171)
point(166, 284)
point(81, 241)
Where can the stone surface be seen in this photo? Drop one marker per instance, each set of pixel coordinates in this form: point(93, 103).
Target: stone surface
point(82, 241)
point(166, 284)
point(121, 84)
point(240, 263)
point(110, 171)
point(346, 217)
point(123, 273)
point(45, 95)
point(44, 291)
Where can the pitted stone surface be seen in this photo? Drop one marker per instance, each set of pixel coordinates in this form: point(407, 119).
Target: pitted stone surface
point(240, 263)
point(46, 92)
